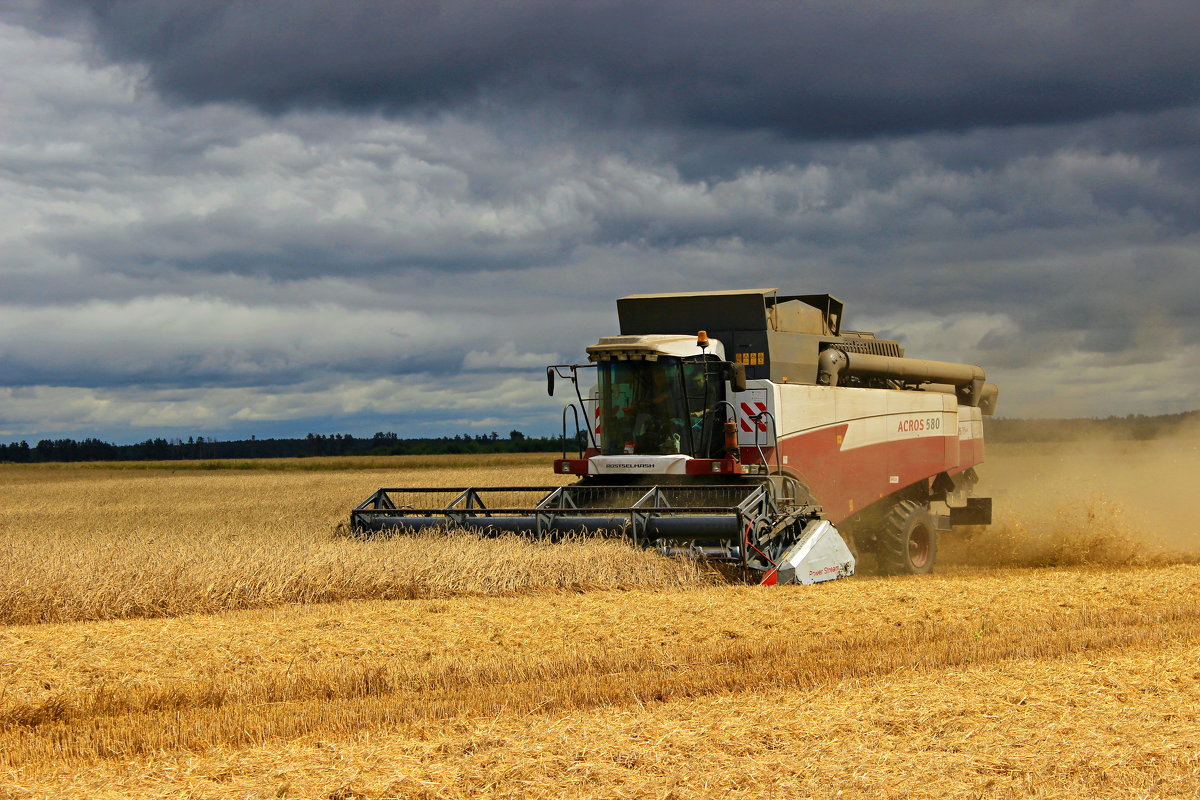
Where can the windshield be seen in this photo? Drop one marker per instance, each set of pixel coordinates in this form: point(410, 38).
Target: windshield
point(660, 407)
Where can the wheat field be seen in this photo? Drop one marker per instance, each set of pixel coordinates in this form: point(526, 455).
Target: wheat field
point(188, 632)
point(92, 542)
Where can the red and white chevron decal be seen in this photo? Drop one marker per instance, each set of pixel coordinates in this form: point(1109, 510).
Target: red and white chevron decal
point(749, 411)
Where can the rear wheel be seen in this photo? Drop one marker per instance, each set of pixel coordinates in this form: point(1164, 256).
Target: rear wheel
point(908, 540)
point(851, 545)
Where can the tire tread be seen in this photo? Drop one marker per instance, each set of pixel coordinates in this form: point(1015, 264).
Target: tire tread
point(892, 549)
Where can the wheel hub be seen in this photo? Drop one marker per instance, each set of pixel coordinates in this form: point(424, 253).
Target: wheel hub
point(918, 547)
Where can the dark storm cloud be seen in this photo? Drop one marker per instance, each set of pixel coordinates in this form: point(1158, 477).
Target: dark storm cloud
point(814, 69)
point(313, 253)
point(289, 254)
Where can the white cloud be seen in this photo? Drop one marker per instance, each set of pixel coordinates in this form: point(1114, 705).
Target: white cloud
point(506, 357)
point(142, 411)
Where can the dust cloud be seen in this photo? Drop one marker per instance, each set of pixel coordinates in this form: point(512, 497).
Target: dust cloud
point(1103, 501)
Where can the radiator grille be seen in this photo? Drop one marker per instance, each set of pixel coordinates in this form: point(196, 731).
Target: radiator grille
point(875, 347)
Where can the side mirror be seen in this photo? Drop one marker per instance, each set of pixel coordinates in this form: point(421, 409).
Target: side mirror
point(736, 375)
point(550, 381)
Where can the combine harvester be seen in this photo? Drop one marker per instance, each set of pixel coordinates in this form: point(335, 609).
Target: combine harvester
point(742, 427)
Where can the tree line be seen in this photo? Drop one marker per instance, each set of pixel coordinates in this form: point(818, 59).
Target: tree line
point(314, 444)
point(1133, 426)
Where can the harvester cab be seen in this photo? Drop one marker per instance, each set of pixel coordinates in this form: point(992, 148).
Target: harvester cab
point(747, 428)
point(660, 405)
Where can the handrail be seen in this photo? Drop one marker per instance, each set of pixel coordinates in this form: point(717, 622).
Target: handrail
point(557, 369)
point(579, 444)
point(757, 420)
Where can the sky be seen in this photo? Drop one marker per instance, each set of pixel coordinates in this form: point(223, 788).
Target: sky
point(226, 218)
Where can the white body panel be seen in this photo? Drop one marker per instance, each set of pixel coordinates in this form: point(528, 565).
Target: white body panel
point(872, 416)
point(635, 465)
point(854, 446)
point(970, 424)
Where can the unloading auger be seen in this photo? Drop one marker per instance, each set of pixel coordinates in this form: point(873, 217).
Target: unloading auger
point(745, 447)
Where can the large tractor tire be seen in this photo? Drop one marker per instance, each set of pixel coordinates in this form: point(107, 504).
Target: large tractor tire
point(907, 541)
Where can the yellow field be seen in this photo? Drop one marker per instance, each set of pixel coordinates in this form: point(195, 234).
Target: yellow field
point(457, 668)
point(88, 542)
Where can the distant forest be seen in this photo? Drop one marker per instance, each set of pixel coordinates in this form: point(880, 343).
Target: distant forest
point(314, 444)
point(1133, 426)
point(386, 444)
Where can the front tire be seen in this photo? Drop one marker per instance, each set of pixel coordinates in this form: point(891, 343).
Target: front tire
point(908, 541)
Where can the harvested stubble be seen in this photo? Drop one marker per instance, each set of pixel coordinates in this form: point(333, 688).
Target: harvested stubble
point(719, 689)
point(1041, 683)
point(1113, 725)
point(89, 544)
